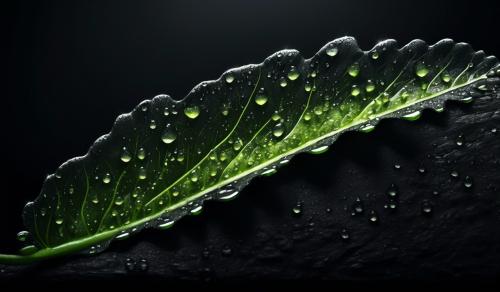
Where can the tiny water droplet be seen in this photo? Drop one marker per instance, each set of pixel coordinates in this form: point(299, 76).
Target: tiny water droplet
point(454, 174)
point(297, 209)
point(59, 221)
point(152, 124)
point(397, 166)
point(373, 216)
point(332, 52)
point(367, 128)
point(392, 191)
point(421, 170)
point(460, 140)
point(142, 173)
point(357, 207)
point(143, 265)
point(229, 78)
point(421, 70)
point(129, 264)
point(168, 135)
point(370, 86)
point(355, 91)
point(141, 153)
point(283, 82)
point(446, 77)
point(22, 235)
point(412, 116)
point(260, 99)
point(123, 235)
point(426, 207)
point(192, 112)
point(227, 251)
point(125, 156)
point(319, 150)
point(293, 74)
point(344, 234)
point(167, 224)
point(468, 182)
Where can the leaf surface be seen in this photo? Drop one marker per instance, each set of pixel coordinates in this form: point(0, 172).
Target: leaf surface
point(162, 160)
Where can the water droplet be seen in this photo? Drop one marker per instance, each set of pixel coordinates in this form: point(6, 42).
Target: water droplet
point(446, 77)
point(125, 156)
point(168, 135)
point(194, 178)
point(142, 173)
point(391, 205)
point(297, 209)
point(237, 145)
point(229, 197)
point(367, 128)
point(152, 125)
point(355, 91)
point(22, 235)
point(278, 130)
point(421, 170)
point(454, 174)
point(141, 153)
point(129, 264)
point(357, 207)
point(426, 207)
point(283, 82)
point(319, 150)
point(397, 166)
point(373, 216)
point(308, 86)
point(229, 78)
point(123, 235)
point(196, 210)
point(468, 182)
point(460, 140)
point(143, 265)
point(118, 200)
point(59, 221)
point(332, 52)
point(192, 112)
point(293, 74)
point(227, 251)
point(107, 178)
point(269, 172)
point(374, 55)
point(344, 234)
point(353, 70)
point(421, 70)
point(392, 191)
point(260, 99)
point(275, 116)
point(412, 116)
point(370, 86)
point(167, 224)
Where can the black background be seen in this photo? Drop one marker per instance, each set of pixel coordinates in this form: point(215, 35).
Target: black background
point(71, 67)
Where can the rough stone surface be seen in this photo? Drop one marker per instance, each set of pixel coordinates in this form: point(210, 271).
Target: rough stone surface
point(258, 236)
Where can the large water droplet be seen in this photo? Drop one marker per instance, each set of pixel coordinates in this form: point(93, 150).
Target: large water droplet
point(332, 52)
point(192, 112)
point(412, 116)
point(422, 70)
point(283, 82)
point(260, 99)
point(374, 55)
point(355, 91)
point(142, 173)
point(370, 86)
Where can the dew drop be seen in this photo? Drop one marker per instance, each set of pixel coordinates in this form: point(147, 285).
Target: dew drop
point(196, 211)
point(283, 82)
point(344, 234)
point(454, 174)
point(269, 172)
point(142, 173)
point(229, 197)
point(468, 182)
point(297, 209)
point(367, 128)
point(168, 135)
point(357, 207)
point(166, 224)
point(229, 78)
point(261, 99)
point(141, 153)
point(278, 130)
point(370, 86)
point(332, 52)
point(308, 86)
point(293, 74)
point(125, 156)
point(143, 265)
point(412, 116)
point(192, 112)
point(422, 70)
point(227, 251)
point(107, 178)
point(353, 70)
point(152, 125)
point(319, 150)
point(355, 91)
point(373, 216)
point(129, 265)
point(460, 140)
point(392, 191)
point(426, 207)
point(59, 221)
point(446, 77)
point(22, 235)
point(122, 235)
point(375, 55)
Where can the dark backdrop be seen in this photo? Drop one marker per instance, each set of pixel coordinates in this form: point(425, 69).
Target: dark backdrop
point(71, 67)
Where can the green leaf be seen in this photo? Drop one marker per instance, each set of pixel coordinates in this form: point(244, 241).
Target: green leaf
point(162, 160)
